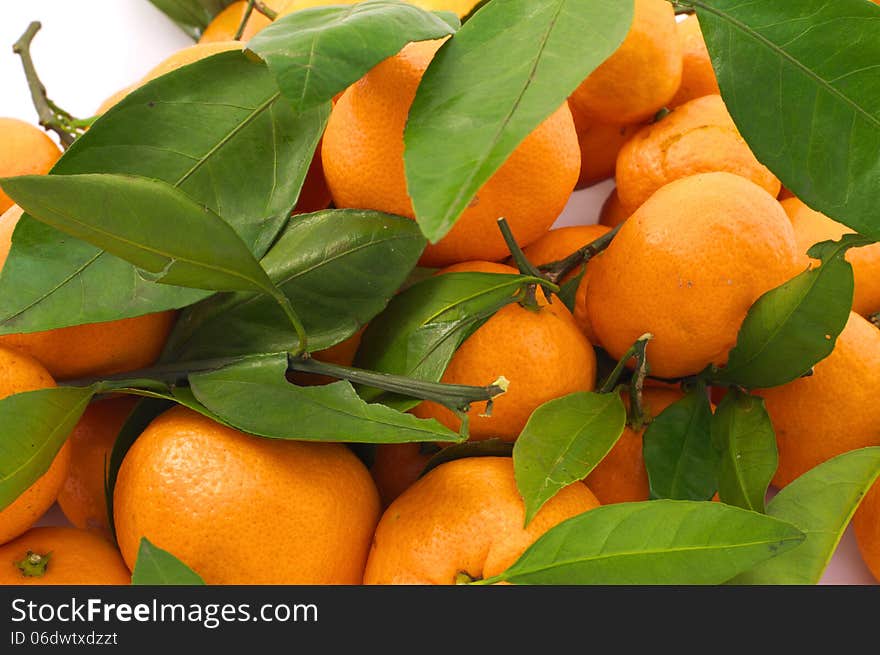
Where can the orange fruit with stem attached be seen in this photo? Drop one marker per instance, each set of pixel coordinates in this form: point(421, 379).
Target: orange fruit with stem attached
point(82, 497)
point(832, 411)
point(697, 137)
point(225, 24)
point(599, 143)
point(612, 213)
point(811, 227)
point(24, 150)
point(363, 150)
point(463, 521)
point(697, 74)
point(61, 556)
point(560, 243)
point(621, 476)
point(708, 247)
point(240, 509)
point(542, 354)
point(641, 76)
point(866, 526)
point(19, 374)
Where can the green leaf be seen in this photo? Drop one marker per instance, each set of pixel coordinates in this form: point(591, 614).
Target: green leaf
point(680, 457)
point(316, 53)
point(192, 16)
point(422, 327)
point(255, 396)
point(33, 427)
point(217, 129)
point(809, 106)
point(821, 502)
point(171, 238)
point(743, 434)
point(793, 327)
point(661, 542)
point(512, 65)
point(155, 566)
point(483, 448)
point(568, 290)
point(562, 442)
point(339, 268)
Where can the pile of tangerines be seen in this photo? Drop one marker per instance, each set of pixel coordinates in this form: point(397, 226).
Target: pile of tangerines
point(705, 230)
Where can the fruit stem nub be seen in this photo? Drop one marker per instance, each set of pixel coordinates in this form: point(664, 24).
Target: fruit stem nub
point(34, 564)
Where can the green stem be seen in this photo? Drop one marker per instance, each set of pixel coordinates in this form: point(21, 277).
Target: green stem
point(555, 271)
point(51, 116)
point(530, 301)
point(681, 7)
point(637, 418)
point(295, 321)
point(875, 319)
point(244, 21)
point(266, 10)
point(635, 350)
point(34, 564)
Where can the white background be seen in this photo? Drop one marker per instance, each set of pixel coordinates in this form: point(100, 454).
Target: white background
point(89, 49)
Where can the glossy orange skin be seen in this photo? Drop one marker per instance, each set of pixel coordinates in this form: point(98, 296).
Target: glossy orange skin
point(90, 349)
point(832, 411)
point(19, 374)
point(363, 148)
point(396, 467)
point(599, 143)
point(82, 497)
point(543, 355)
point(697, 137)
point(612, 213)
point(697, 75)
point(240, 509)
point(560, 243)
point(708, 246)
point(621, 477)
point(866, 526)
point(465, 516)
point(811, 227)
point(25, 149)
point(78, 557)
point(642, 75)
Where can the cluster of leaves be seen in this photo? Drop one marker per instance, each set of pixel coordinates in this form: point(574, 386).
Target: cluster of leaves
point(180, 198)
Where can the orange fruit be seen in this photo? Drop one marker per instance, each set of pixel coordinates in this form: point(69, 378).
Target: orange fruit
point(613, 213)
point(61, 556)
point(697, 74)
point(697, 137)
point(189, 55)
point(558, 244)
point(396, 467)
point(866, 526)
point(363, 148)
point(784, 194)
point(812, 227)
point(479, 267)
point(24, 150)
point(239, 509)
point(18, 374)
point(599, 143)
point(621, 476)
point(314, 195)
point(832, 411)
point(226, 23)
point(542, 353)
point(463, 520)
point(642, 75)
point(686, 267)
point(82, 497)
point(92, 349)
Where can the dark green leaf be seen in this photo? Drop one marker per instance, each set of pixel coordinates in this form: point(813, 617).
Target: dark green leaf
point(562, 442)
point(316, 53)
point(661, 542)
point(155, 566)
point(681, 460)
point(821, 502)
point(339, 268)
point(33, 427)
point(147, 222)
point(256, 397)
point(483, 448)
point(793, 327)
point(192, 16)
point(568, 290)
point(510, 66)
point(423, 326)
point(800, 80)
point(743, 434)
point(206, 128)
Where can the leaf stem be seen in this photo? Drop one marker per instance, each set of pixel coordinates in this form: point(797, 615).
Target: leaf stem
point(637, 418)
point(636, 350)
point(555, 271)
point(294, 319)
point(261, 7)
point(51, 116)
point(523, 264)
